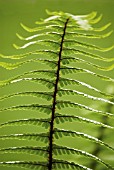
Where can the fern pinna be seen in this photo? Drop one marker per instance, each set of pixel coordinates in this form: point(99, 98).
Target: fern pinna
point(62, 43)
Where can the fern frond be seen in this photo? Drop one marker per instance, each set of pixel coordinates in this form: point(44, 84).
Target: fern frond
point(72, 42)
point(25, 164)
point(51, 53)
point(43, 137)
point(58, 150)
point(61, 132)
point(47, 82)
point(76, 34)
point(61, 118)
point(16, 79)
point(41, 28)
point(71, 27)
point(34, 121)
point(11, 66)
point(39, 42)
point(44, 108)
point(69, 51)
point(31, 29)
point(67, 81)
point(66, 70)
point(61, 164)
point(45, 95)
point(42, 151)
point(62, 92)
point(62, 104)
point(61, 40)
point(66, 60)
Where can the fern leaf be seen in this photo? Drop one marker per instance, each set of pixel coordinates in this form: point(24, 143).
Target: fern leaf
point(71, 27)
point(62, 92)
point(66, 60)
point(47, 82)
point(16, 79)
point(45, 95)
point(61, 118)
point(66, 70)
point(10, 66)
point(42, 122)
point(58, 150)
point(31, 150)
point(40, 42)
point(58, 43)
point(43, 137)
point(21, 56)
point(24, 164)
point(44, 108)
point(61, 164)
point(72, 42)
point(61, 132)
point(31, 29)
point(80, 52)
point(76, 34)
point(62, 104)
point(66, 81)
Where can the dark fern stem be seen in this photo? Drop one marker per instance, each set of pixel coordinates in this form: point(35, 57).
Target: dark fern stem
point(54, 99)
point(101, 135)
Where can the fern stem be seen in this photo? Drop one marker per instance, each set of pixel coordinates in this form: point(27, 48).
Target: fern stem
point(54, 100)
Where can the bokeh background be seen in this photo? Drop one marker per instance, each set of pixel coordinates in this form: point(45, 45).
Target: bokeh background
point(14, 12)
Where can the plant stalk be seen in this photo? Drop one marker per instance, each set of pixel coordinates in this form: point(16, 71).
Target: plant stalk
point(54, 101)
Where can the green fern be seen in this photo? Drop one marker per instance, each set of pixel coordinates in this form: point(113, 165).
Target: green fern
point(62, 43)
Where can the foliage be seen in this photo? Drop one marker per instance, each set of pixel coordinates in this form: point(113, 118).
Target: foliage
point(59, 52)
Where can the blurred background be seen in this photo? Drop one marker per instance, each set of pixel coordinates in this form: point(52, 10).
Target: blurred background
point(14, 12)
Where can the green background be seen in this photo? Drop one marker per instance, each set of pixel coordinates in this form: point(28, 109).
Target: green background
point(14, 12)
